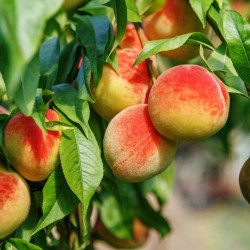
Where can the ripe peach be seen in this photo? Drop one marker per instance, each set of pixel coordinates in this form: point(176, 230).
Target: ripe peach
point(4, 110)
point(140, 233)
point(131, 38)
point(174, 19)
point(132, 147)
point(188, 103)
point(116, 92)
point(243, 7)
point(14, 201)
point(32, 153)
point(244, 180)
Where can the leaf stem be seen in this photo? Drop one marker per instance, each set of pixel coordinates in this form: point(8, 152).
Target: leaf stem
point(148, 60)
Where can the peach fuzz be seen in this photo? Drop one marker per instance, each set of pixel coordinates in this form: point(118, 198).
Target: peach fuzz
point(133, 148)
point(32, 153)
point(14, 201)
point(116, 92)
point(188, 103)
point(174, 19)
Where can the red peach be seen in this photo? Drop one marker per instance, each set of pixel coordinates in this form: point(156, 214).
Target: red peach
point(32, 153)
point(14, 201)
point(188, 103)
point(133, 148)
point(243, 7)
point(4, 110)
point(174, 19)
point(116, 92)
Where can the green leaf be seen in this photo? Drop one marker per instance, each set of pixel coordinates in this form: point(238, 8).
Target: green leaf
point(220, 3)
point(222, 65)
point(113, 217)
point(58, 200)
point(120, 10)
point(148, 7)
point(14, 243)
point(153, 47)
point(26, 94)
point(57, 125)
point(67, 59)
point(67, 101)
point(49, 54)
point(201, 7)
point(25, 230)
point(237, 35)
point(82, 164)
point(132, 12)
point(83, 81)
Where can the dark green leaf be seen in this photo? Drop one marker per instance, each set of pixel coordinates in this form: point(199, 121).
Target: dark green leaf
point(58, 200)
point(120, 10)
point(237, 35)
point(97, 7)
point(49, 54)
point(81, 163)
point(67, 101)
point(83, 80)
point(153, 47)
point(26, 94)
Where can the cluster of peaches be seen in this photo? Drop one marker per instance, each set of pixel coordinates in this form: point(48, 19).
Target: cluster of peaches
point(147, 119)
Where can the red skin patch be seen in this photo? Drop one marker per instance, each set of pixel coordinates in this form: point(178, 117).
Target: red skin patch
point(137, 135)
point(138, 75)
point(8, 186)
point(32, 135)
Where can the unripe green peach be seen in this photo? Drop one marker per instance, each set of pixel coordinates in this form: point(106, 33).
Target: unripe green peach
point(72, 5)
point(244, 180)
point(140, 235)
point(133, 148)
point(116, 92)
point(14, 201)
point(188, 103)
point(174, 19)
point(32, 153)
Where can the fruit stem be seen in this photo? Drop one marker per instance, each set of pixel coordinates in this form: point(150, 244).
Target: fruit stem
point(148, 60)
point(80, 220)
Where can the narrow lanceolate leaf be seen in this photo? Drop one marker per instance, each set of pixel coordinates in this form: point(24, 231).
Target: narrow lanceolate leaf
point(26, 94)
point(58, 200)
point(237, 35)
point(67, 101)
point(201, 7)
point(15, 243)
point(120, 10)
point(82, 164)
point(153, 47)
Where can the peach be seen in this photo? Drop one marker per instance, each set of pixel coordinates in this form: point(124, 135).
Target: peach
point(140, 235)
point(244, 180)
point(4, 110)
point(14, 201)
point(133, 148)
point(188, 103)
point(243, 7)
point(116, 92)
point(174, 19)
point(32, 153)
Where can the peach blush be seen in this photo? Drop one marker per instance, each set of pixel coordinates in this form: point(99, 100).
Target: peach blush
point(14, 201)
point(116, 92)
point(174, 19)
point(188, 103)
point(32, 153)
point(133, 148)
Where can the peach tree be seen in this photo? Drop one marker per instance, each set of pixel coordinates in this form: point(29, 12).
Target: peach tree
point(54, 54)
